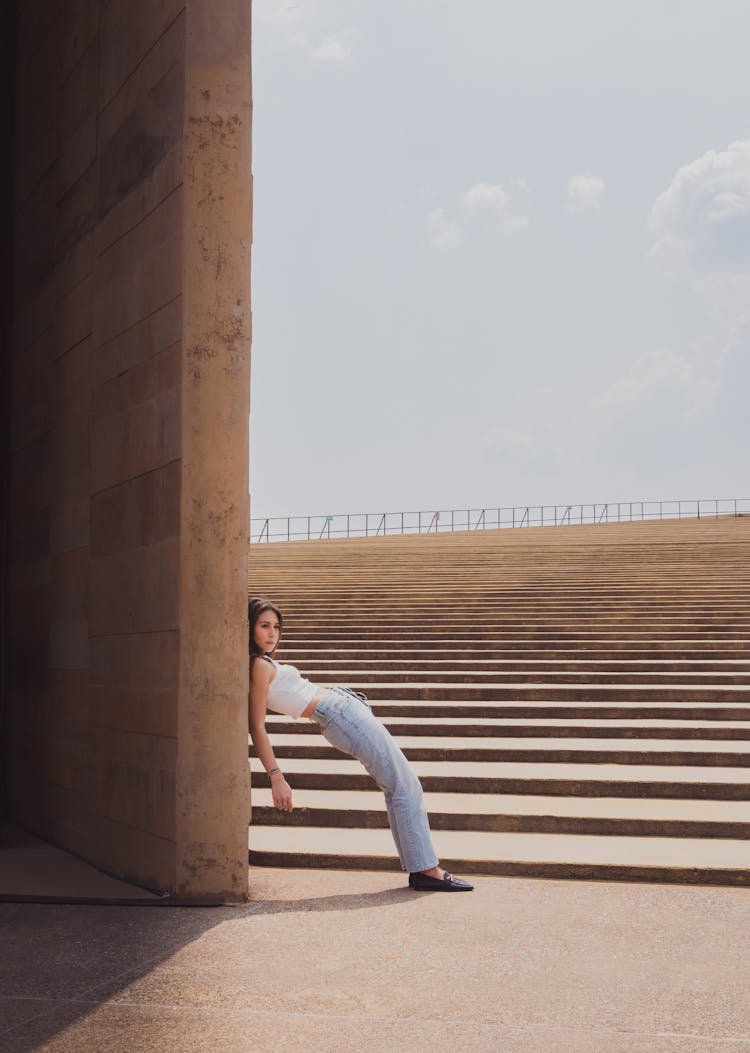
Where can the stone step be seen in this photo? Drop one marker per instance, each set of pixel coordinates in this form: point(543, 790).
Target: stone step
point(502, 609)
point(501, 654)
point(518, 637)
point(533, 621)
point(495, 812)
point(535, 675)
point(571, 779)
point(518, 708)
point(530, 727)
point(679, 860)
point(456, 750)
point(534, 691)
point(453, 665)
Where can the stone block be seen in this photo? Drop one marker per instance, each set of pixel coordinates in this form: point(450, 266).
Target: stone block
point(150, 710)
point(141, 383)
point(150, 751)
point(72, 566)
point(122, 790)
point(147, 338)
point(31, 475)
point(66, 819)
point(68, 709)
point(29, 575)
point(30, 537)
point(139, 440)
point(70, 522)
point(34, 20)
point(34, 314)
point(34, 239)
point(141, 272)
point(131, 854)
point(66, 761)
point(79, 94)
point(68, 644)
point(79, 91)
point(127, 789)
point(140, 512)
point(75, 263)
point(31, 391)
point(136, 661)
point(132, 143)
point(131, 34)
point(37, 111)
point(28, 632)
point(69, 596)
point(80, 30)
point(136, 591)
point(76, 217)
point(155, 186)
point(72, 420)
point(77, 153)
point(75, 316)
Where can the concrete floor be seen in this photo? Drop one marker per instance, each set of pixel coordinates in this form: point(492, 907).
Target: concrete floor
point(34, 870)
point(349, 961)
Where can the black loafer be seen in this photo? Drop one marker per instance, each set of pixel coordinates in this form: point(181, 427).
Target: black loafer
point(425, 883)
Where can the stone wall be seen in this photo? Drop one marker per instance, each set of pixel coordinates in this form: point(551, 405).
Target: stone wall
point(126, 715)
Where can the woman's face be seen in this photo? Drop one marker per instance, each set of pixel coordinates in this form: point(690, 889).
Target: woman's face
point(267, 632)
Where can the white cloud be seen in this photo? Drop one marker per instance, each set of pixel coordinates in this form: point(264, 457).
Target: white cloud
point(585, 194)
point(276, 15)
point(331, 49)
point(655, 375)
point(443, 233)
point(625, 435)
point(297, 25)
point(701, 223)
point(496, 199)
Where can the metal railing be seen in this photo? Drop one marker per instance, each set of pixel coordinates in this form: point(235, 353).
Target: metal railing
point(374, 524)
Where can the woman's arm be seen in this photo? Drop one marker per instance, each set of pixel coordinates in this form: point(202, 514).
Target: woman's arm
point(261, 675)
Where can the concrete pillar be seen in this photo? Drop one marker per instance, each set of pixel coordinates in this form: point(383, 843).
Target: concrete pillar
point(212, 774)
point(127, 701)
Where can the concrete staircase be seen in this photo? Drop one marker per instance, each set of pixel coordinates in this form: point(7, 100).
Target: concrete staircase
point(575, 700)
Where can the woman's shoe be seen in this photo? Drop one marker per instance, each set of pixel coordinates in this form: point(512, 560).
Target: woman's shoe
point(425, 883)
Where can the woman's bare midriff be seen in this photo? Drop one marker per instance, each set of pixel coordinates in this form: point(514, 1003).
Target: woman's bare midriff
point(320, 694)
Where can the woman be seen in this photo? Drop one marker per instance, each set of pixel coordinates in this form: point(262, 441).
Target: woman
point(348, 723)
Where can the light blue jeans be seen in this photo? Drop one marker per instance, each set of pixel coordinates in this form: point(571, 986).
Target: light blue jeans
point(348, 723)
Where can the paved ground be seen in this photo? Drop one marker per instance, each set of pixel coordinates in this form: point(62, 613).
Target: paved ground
point(349, 961)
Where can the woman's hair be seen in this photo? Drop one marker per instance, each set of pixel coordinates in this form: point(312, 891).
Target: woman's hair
point(256, 606)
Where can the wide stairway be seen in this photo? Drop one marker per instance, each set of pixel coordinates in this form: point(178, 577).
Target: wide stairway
point(575, 700)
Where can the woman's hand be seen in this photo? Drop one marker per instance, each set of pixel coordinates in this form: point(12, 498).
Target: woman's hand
point(282, 792)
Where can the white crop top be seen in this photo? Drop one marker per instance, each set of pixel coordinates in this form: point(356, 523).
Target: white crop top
point(289, 693)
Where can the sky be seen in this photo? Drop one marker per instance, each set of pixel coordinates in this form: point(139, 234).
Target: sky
point(501, 253)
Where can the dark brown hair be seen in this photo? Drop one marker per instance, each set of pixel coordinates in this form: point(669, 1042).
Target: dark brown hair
point(256, 606)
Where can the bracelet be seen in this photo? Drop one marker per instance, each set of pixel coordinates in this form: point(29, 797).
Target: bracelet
point(273, 772)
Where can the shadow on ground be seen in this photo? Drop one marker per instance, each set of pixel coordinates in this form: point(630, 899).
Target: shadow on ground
point(57, 960)
point(60, 962)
